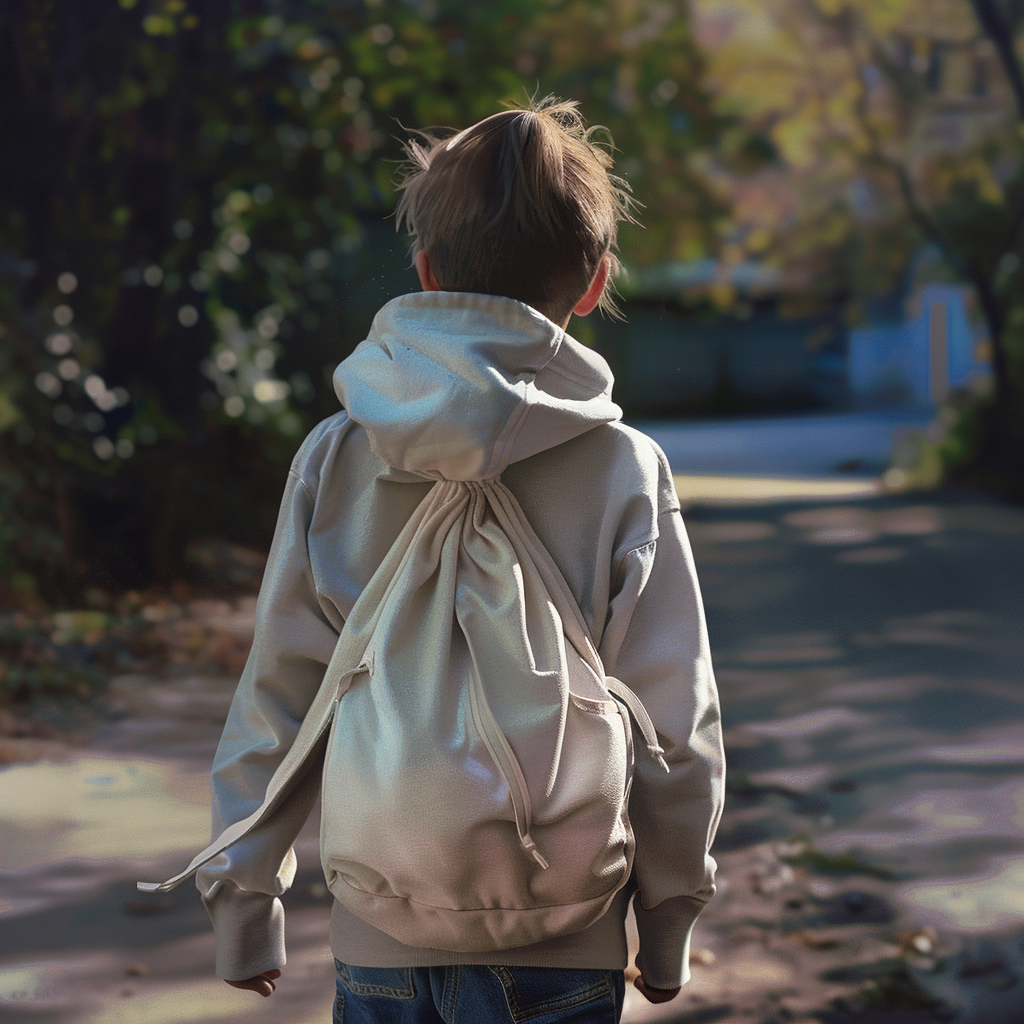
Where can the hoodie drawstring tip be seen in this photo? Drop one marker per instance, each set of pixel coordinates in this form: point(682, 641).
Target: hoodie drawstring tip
point(658, 754)
point(531, 848)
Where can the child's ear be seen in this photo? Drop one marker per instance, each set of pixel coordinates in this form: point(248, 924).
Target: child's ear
point(426, 273)
point(596, 289)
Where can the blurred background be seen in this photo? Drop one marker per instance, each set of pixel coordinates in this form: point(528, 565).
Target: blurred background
point(195, 230)
point(823, 328)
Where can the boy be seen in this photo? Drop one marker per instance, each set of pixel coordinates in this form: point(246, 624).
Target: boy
point(514, 225)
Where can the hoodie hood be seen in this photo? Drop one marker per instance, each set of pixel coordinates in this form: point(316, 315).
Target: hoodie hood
point(456, 385)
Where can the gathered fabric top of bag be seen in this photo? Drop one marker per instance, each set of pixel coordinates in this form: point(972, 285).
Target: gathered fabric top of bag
point(477, 759)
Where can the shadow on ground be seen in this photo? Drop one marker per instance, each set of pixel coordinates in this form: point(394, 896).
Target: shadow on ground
point(871, 856)
point(872, 851)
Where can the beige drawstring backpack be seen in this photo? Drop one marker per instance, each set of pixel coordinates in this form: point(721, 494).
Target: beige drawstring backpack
point(477, 762)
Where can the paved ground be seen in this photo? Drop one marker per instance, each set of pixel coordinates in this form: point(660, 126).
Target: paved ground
point(850, 442)
point(869, 657)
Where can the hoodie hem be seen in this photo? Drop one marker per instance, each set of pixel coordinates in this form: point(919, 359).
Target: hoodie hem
point(601, 946)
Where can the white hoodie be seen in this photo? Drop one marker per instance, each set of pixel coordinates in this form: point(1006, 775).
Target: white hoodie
point(463, 386)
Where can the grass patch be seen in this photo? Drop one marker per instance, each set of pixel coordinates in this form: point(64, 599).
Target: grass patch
point(802, 854)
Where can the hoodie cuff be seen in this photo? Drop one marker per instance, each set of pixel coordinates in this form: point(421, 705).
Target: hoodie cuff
point(664, 957)
point(250, 931)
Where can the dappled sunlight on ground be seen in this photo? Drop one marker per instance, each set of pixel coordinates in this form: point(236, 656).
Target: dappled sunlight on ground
point(973, 904)
point(868, 656)
point(728, 489)
point(210, 1000)
point(97, 808)
point(868, 653)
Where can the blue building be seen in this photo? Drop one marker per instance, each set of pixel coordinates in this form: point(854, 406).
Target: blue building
point(920, 361)
point(675, 357)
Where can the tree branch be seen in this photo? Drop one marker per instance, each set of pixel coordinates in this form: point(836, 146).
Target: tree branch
point(1001, 32)
point(929, 225)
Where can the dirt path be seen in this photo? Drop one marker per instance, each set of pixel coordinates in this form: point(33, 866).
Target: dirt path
point(872, 854)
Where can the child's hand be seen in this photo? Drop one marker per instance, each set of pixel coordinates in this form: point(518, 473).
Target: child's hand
point(262, 983)
point(655, 995)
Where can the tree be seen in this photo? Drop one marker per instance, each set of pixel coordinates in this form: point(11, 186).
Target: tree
point(897, 123)
point(190, 232)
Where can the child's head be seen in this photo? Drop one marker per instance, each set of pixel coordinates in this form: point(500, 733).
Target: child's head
point(522, 204)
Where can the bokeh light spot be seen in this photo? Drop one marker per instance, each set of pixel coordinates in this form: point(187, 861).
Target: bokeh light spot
point(103, 447)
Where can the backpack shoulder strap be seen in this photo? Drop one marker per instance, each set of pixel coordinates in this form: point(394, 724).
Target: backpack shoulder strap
point(525, 542)
point(305, 751)
point(308, 745)
point(524, 539)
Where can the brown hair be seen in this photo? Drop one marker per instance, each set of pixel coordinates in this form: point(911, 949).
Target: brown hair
point(521, 204)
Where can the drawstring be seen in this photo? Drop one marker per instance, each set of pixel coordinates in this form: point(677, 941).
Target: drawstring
point(619, 689)
point(366, 665)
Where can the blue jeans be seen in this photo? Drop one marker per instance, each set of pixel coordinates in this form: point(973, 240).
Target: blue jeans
point(477, 995)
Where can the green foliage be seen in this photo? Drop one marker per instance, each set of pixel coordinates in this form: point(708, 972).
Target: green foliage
point(975, 439)
point(56, 660)
point(190, 234)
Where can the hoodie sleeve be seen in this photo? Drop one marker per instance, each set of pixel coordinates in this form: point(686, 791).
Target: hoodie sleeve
point(656, 642)
point(294, 640)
